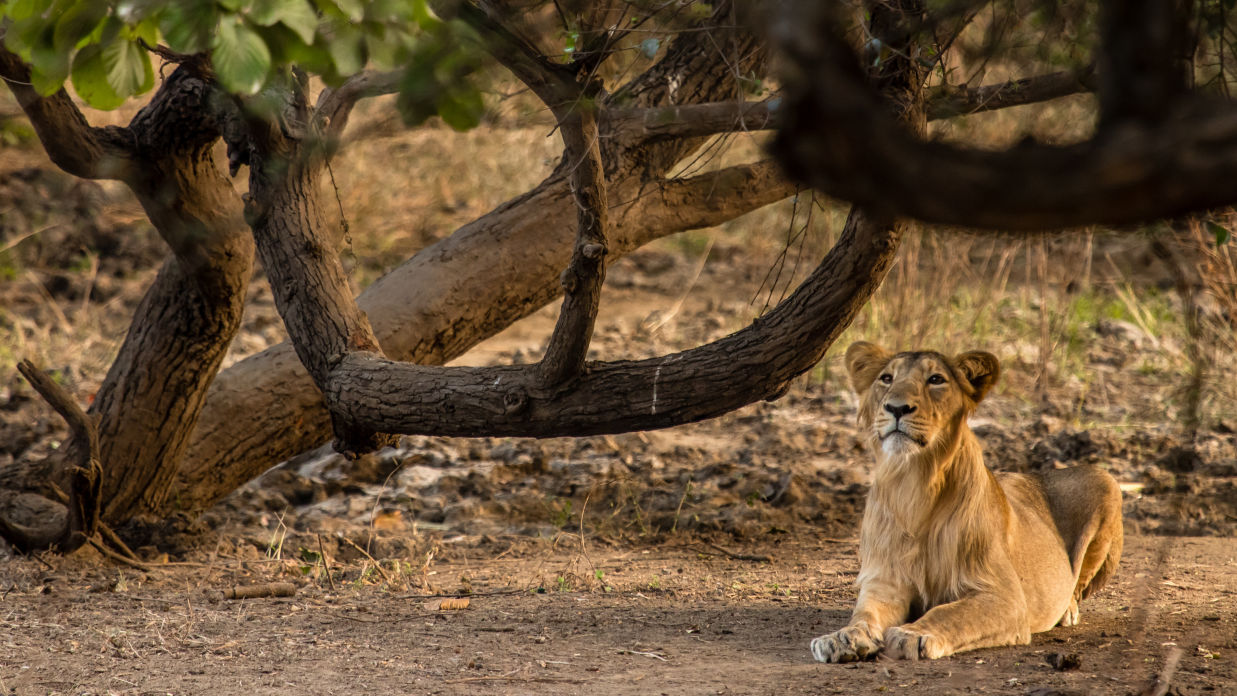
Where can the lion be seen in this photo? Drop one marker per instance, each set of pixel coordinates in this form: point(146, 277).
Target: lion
point(954, 557)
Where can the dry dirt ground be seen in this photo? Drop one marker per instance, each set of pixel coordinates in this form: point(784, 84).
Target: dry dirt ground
point(700, 559)
point(672, 618)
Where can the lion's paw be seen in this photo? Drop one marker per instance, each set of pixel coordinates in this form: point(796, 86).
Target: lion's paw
point(1070, 618)
point(905, 643)
point(850, 644)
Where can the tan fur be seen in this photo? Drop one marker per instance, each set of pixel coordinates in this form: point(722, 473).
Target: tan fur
point(970, 559)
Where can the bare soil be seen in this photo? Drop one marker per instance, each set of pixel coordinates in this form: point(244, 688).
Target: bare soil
point(695, 560)
point(678, 617)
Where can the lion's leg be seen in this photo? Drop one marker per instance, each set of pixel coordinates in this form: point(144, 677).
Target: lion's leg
point(979, 621)
point(880, 605)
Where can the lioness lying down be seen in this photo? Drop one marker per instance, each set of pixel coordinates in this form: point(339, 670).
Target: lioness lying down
point(951, 556)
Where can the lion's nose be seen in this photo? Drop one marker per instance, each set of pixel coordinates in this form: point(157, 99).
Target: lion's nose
point(899, 410)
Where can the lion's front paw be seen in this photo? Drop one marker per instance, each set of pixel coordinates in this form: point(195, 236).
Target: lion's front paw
point(905, 643)
point(850, 644)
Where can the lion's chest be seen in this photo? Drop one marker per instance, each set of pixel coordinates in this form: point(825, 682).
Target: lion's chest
point(940, 562)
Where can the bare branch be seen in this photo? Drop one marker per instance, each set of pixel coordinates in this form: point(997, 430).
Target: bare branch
point(553, 83)
point(690, 120)
point(585, 273)
point(71, 142)
point(693, 120)
point(335, 105)
point(1028, 90)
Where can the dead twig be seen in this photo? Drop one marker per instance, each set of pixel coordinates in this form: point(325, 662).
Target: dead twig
point(643, 654)
point(365, 553)
point(461, 595)
point(325, 564)
point(269, 589)
point(85, 474)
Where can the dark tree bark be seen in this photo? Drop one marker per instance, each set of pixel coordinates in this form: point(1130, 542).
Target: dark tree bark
point(149, 402)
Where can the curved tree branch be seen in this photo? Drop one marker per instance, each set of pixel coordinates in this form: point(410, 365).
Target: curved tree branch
point(553, 83)
point(71, 142)
point(756, 363)
point(841, 138)
point(1028, 90)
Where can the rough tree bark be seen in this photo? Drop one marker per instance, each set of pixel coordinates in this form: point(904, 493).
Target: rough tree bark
point(149, 402)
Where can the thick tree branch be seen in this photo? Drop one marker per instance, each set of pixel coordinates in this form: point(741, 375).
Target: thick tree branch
point(585, 273)
point(690, 120)
point(705, 200)
point(72, 143)
point(843, 140)
point(755, 363)
point(184, 323)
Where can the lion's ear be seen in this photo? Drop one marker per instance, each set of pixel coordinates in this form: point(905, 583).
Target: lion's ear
point(864, 361)
point(981, 369)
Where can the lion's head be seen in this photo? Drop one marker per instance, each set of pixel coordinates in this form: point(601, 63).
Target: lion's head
point(916, 401)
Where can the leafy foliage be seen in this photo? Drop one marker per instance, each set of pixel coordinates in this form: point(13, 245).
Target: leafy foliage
point(102, 46)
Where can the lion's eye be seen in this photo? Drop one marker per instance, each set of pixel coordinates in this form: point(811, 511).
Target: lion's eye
point(936, 379)
point(886, 378)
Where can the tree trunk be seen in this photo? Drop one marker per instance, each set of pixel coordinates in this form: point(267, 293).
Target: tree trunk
point(149, 402)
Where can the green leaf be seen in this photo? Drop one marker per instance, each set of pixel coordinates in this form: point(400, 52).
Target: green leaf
point(424, 18)
point(1220, 231)
point(354, 10)
point(297, 15)
point(22, 9)
point(47, 79)
point(419, 91)
point(77, 23)
point(147, 30)
point(240, 57)
point(89, 76)
point(347, 47)
point(462, 109)
point(128, 67)
point(188, 25)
